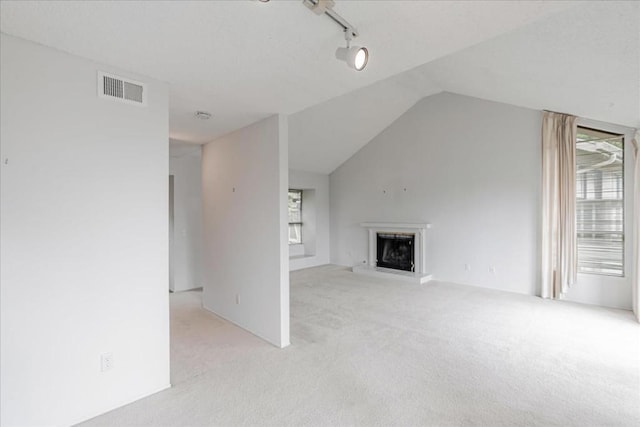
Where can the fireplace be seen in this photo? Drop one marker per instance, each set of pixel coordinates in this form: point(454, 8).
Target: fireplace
point(396, 251)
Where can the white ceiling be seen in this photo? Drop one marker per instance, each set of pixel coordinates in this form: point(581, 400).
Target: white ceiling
point(245, 60)
point(583, 61)
point(322, 137)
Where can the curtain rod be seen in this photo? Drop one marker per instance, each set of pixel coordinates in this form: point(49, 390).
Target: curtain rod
point(557, 112)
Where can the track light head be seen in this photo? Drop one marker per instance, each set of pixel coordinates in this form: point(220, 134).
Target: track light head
point(356, 57)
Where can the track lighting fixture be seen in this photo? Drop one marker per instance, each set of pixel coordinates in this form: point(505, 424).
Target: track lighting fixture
point(356, 57)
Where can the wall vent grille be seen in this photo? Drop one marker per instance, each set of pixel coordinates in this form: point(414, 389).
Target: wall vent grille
point(121, 89)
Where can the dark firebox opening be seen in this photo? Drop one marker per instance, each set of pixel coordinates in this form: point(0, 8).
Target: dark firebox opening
point(396, 250)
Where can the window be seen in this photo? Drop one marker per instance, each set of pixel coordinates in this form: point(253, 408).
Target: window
point(600, 202)
point(295, 217)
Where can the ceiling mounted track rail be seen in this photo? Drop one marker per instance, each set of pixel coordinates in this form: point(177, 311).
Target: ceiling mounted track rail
point(320, 7)
point(356, 57)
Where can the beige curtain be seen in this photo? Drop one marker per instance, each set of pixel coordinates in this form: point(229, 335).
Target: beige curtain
point(636, 227)
point(559, 258)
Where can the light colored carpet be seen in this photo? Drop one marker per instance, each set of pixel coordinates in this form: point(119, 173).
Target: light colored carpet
point(375, 352)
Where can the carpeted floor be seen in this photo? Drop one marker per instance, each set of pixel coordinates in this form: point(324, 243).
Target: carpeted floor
point(374, 352)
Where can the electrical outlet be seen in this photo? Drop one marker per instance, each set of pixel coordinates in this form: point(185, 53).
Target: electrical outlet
point(492, 269)
point(106, 362)
point(237, 299)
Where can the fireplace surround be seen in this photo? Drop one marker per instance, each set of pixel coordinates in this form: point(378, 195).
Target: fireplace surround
point(396, 250)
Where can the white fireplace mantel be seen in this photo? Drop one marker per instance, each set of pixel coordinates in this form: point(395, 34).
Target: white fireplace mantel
point(420, 274)
point(393, 225)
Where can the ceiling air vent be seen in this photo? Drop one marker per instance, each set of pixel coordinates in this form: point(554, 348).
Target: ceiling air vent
point(121, 89)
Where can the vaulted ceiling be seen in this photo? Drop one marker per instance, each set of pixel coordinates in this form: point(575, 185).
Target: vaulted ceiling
point(245, 60)
point(583, 61)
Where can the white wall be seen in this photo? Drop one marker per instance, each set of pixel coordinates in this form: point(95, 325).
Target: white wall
point(315, 219)
point(244, 182)
point(83, 239)
point(185, 166)
point(470, 167)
